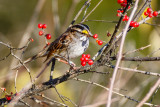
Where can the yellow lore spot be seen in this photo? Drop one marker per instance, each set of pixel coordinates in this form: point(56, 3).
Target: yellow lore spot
point(85, 31)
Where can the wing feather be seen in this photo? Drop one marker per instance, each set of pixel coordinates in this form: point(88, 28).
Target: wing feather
point(59, 45)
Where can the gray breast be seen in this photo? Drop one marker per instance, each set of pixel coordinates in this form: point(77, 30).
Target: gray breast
point(78, 46)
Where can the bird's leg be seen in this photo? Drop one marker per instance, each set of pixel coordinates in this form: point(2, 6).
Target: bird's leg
point(72, 64)
point(52, 68)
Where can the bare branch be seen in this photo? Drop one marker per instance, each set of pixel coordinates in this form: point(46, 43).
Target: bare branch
point(149, 93)
point(129, 98)
point(120, 53)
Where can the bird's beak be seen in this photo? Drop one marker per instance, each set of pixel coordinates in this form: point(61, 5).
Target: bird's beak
point(90, 34)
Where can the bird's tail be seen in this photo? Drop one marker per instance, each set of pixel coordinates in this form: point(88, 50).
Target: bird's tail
point(39, 55)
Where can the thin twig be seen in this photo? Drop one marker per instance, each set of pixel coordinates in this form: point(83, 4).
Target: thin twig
point(77, 79)
point(142, 48)
point(80, 11)
point(26, 104)
point(20, 61)
point(53, 101)
point(149, 93)
point(60, 96)
point(56, 19)
point(141, 59)
point(154, 94)
point(139, 71)
point(105, 21)
point(91, 11)
point(69, 14)
point(152, 24)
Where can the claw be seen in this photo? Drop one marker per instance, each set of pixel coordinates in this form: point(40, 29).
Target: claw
point(50, 80)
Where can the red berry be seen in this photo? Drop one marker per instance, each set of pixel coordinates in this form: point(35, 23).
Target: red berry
point(136, 24)
point(88, 56)
point(122, 10)
point(149, 10)
point(100, 42)
point(40, 33)
point(44, 26)
point(48, 36)
point(131, 23)
point(129, 7)
point(82, 59)
point(83, 63)
point(118, 14)
point(123, 19)
point(124, 4)
point(3, 89)
point(150, 15)
point(86, 59)
point(155, 13)
point(83, 55)
point(31, 39)
point(95, 36)
point(120, 1)
point(118, 11)
point(40, 25)
point(126, 18)
point(90, 62)
point(8, 97)
point(145, 13)
point(48, 43)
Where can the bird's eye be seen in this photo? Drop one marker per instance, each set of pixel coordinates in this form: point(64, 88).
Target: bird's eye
point(85, 31)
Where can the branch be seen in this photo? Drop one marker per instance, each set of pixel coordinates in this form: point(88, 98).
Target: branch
point(26, 92)
point(141, 58)
point(140, 71)
point(127, 97)
point(120, 52)
point(91, 11)
point(149, 93)
point(80, 11)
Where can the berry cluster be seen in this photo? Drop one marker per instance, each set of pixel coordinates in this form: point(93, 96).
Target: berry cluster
point(41, 32)
point(126, 18)
point(8, 97)
point(123, 3)
point(150, 13)
point(43, 26)
point(134, 24)
point(85, 59)
point(119, 12)
point(95, 36)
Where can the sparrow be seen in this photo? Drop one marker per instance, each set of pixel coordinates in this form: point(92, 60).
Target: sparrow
point(71, 44)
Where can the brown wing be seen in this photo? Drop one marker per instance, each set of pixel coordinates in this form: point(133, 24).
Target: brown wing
point(59, 45)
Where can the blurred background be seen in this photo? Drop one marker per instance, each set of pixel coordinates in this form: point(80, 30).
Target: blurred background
point(19, 20)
